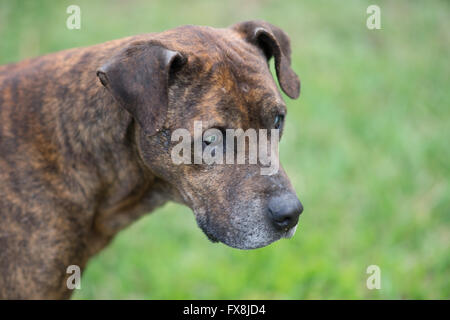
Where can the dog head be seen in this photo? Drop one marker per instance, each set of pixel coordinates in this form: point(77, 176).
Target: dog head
point(221, 79)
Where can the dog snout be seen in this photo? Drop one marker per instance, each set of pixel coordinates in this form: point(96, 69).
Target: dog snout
point(284, 211)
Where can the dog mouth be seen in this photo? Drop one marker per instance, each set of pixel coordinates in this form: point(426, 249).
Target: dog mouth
point(214, 237)
point(210, 236)
point(241, 232)
point(288, 234)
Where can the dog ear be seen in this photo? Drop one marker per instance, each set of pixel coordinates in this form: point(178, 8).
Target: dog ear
point(273, 42)
point(138, 78)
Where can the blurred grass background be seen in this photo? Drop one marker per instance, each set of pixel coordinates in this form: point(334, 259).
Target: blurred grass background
point(366, 147)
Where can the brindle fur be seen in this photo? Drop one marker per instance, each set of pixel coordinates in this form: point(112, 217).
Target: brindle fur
point(78, 163)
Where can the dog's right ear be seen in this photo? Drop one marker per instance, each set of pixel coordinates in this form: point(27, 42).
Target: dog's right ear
point(273, 42)
point(138, 77)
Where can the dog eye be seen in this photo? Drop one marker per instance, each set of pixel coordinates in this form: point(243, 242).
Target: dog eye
point(278, 121)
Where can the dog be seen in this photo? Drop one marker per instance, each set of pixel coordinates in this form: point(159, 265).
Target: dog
point(85, 141)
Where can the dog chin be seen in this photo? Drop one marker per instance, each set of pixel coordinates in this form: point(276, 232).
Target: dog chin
point(248, 245)
point(259, 238)
point(254, 243)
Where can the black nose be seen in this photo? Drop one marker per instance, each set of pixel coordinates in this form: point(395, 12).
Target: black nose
point(284, 211)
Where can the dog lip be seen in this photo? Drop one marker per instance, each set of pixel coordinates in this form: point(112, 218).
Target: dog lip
point(288, 234)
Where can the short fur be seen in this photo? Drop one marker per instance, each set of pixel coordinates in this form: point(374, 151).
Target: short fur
point(85, 145)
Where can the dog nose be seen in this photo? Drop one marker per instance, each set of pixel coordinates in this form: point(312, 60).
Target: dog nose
point(284, 211)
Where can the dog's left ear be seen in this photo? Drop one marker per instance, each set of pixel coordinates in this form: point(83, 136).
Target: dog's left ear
point(138, 79)
point(273, 42)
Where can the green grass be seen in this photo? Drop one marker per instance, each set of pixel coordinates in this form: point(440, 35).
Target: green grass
point(366, 147)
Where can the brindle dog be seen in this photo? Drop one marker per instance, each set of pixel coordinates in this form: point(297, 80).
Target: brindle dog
point(85, 141)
